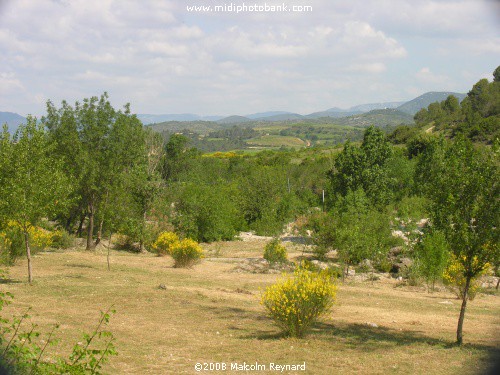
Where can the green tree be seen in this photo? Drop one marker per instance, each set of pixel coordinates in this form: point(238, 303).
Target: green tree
point(365, 167)
point(463, 185)
point(177, 157)
point(496, 74)
point(432, 255)
point(103, 144)
point(32, 184)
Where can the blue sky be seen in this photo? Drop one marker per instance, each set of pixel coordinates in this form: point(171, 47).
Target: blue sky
point(163, 59)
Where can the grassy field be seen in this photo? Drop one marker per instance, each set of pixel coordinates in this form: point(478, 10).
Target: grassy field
point(211, 313)
point(276, 141)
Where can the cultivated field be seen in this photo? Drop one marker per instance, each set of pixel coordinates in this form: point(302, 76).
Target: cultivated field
point(211, 313)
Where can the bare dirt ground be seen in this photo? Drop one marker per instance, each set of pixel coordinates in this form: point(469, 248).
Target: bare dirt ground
point(211, 313)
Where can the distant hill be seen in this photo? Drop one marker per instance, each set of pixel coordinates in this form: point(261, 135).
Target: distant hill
point(155, 119)
point(260, 115)
point(371, 106)
point(332, 114)
point(13, 120)
point(234, 120)
point(377, 117)
point(283, 117)
point(200, 127)
point(423, 101)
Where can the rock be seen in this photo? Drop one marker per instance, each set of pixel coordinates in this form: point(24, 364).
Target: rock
point(351, 272)
point(395, 251)
point(366, 264)
point(423, 222)
point(403, 265)
point(369, 324)
point(319, 264)
point(162, 286)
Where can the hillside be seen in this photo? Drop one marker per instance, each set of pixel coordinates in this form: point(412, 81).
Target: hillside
point(377, 117)
point(13, 120)
point(423, 101)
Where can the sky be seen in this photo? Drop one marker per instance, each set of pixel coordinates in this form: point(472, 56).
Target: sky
point(163, 58)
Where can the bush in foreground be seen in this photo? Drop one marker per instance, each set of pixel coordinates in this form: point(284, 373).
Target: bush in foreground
point(186, 253)
point(22, 349)
point(295, 301)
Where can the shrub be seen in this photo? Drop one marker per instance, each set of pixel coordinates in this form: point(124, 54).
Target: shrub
point(294, 302)
point(275, 252)
point(61, 239)
point(186, 253)
point(23, 349)
point(431, 257)
point(164, 243)
point(454, 278)
point(12, 242)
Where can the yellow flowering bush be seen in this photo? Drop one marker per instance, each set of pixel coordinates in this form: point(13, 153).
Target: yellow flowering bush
point(5, 245)
point(186, 252)
point(40, 238)
point(12, 241)
point(275, 252)
point(295, 301)
point(164, 243)
point(454, 278)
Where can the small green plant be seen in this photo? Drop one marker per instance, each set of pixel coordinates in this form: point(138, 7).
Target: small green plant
point(165, 243)
point(275, 252)
point(432, 254)
point(186, 253)
point(295, 301)
point(22, 351)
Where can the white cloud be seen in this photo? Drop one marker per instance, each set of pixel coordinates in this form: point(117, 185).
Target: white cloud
point(163, 59)
point(425, 75)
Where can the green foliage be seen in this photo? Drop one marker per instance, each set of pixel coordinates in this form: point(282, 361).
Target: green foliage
point(454, 278)
point(402, 134)
point(32, 184)
point(476, 117)
point(275, 252)
point(186, 253)
point(463, 185)
point(432, 254)
point(264, 200)
point(295, 302)
point(61, 239)
point(363, 235)
point(207, 212)
point(99, 147)
point(365, 167)
point(23, 348)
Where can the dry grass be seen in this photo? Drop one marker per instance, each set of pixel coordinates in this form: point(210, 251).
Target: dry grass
point(211, 314)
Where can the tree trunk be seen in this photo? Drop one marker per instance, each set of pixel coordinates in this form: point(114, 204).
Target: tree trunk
point(99, 233)
point(90, 228)
point(69, 221)
point(28, 255)
point(142, 249)
point(109, 247)
point(462, 311)
point(80, 226)
point(498, 283)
